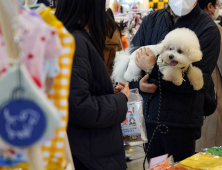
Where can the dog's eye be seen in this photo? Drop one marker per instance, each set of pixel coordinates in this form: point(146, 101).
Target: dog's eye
point(180, 51)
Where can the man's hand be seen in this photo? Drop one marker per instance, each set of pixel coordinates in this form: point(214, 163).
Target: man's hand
point(144, 61)
point(124, 89)
point(145, 86)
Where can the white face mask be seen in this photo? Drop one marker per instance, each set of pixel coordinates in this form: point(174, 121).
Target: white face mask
point(216, 14)
point(182, 7)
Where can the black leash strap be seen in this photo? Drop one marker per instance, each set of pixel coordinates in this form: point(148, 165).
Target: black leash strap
point(167, 19)
point(159, 126)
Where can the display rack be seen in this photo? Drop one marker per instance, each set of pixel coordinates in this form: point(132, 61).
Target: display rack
point(128, 16)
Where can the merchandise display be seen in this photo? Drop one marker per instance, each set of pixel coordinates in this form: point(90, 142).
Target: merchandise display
point(215, 151)
point(208, 160)
point(203, 161)
point(130, 22)
point(34, 108)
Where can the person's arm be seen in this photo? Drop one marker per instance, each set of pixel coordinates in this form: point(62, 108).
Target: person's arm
point(86, 110)
point(138, 41)
point(210, 46)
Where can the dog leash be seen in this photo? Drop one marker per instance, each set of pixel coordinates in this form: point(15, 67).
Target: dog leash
point(146, 149)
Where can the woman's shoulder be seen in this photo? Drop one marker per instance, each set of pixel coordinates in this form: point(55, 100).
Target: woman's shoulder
point(82, 42)
point(80, 37)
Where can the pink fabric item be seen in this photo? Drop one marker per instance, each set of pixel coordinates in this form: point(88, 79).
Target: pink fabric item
point(3, 58)
point(41, 43)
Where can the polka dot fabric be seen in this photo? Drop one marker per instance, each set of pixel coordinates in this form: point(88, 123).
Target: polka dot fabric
point(54, 150)
point(41, 43)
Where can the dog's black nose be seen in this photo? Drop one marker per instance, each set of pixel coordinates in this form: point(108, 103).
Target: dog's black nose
point(171, 57)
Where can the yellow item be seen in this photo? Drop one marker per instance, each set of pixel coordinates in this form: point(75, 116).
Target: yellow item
point(158, 4)
point(203, 161)
point(54, 151)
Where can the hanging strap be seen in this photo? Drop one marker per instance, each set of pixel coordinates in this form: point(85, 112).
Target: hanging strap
point(167, 19)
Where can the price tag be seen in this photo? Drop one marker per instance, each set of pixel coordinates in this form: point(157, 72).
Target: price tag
point(22, 123)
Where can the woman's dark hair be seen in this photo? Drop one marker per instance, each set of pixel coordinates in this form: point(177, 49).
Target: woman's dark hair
point(111, 25)
point(203, 3)
point(77, 14)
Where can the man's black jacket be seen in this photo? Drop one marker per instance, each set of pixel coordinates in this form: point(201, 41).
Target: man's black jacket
point(181, 105)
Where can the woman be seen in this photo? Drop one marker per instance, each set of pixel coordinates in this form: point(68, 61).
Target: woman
point(212, 129)
point(95, 112)
point(113, 40)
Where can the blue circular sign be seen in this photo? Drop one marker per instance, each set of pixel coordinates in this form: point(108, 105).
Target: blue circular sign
point(22, 123)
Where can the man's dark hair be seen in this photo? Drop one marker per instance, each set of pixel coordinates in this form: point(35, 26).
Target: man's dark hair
point(203, 3)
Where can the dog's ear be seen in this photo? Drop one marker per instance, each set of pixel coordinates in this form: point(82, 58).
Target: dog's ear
point(195, 54)
point(160, 48)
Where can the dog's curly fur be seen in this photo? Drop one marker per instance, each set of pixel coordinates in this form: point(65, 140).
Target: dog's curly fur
point(178, 50)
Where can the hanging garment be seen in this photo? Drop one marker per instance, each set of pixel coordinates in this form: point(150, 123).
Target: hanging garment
point(32, 120)
point(51, 67)
point(59, 94)
point(41, 43)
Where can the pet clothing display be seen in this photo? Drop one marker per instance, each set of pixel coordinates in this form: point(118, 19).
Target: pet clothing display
point(134, 128)
point(41, 43)
point(25, 111)
point(59, 93)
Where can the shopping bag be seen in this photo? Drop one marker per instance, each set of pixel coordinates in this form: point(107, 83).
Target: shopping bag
point(134, 127)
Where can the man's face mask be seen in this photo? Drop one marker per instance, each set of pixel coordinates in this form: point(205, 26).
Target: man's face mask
point(216, 14)
point(182, 7)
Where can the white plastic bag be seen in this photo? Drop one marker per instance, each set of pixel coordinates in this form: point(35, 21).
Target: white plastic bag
point(134, 127)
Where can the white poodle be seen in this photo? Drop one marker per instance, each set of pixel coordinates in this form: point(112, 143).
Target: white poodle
point(177, 52)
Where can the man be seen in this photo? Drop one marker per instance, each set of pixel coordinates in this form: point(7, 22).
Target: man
point(182, 108)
